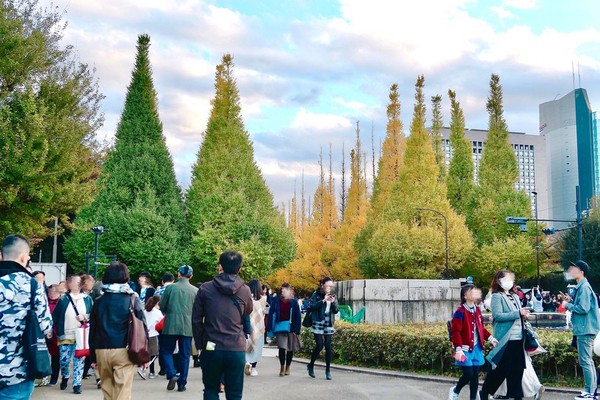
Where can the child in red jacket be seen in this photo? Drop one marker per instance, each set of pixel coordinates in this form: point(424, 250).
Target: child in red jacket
point(468, 336)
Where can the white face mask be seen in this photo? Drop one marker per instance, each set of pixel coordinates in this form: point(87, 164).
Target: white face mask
point(507, 284)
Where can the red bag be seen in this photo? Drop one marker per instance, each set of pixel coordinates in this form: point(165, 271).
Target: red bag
point(160, 325)
point(82, 346)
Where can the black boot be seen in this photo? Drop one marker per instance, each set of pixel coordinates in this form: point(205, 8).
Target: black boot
point(64, 383)
point(311, 370)
point(196, 361)
point(77, 389)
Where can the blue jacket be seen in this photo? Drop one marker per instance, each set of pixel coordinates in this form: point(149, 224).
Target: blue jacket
point(274, 315)
point(584, 306)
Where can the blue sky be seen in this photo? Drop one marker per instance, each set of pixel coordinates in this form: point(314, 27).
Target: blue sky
point(307, 70)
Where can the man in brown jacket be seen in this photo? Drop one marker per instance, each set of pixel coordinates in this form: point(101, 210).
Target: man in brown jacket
point(220, 308)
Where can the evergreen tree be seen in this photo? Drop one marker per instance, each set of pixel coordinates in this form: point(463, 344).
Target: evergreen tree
point(437, 124)
point(49, 114)
point(409, 242)
point(496, 197)
point(460, 179)
point(229, 204)
point(140, 201)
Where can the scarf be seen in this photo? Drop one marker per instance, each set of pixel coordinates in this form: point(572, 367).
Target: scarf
point(117, 288)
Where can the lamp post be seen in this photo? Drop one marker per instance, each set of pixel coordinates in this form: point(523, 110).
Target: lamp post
point(537, 237)
point(447, 273)
point(98, 230)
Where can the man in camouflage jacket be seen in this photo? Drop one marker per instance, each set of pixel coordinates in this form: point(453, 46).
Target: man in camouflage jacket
point(15, 298)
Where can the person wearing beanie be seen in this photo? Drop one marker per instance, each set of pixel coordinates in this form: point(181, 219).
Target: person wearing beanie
point(176, 303)
point(584, 306)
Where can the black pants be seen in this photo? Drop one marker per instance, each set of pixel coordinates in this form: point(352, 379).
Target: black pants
point(87, 364)
point(470, 376)
point(511, 368)
point(320, 342)
point(223, 366)
point(55, 364)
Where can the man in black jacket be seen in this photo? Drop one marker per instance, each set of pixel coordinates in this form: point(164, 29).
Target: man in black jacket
point(217, 322)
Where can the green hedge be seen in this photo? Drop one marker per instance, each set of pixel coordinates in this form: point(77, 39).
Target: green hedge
point(426, 348)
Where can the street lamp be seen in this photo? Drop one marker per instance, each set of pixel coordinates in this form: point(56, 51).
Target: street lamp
point(537, 237)
point(98, 230)
point(446, 230)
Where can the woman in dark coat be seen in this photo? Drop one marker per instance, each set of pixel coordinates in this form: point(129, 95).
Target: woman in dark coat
point(109, 324)
point(323, 307)
point(285, 321)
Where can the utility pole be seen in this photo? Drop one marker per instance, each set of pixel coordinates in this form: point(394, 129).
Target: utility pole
point(579, 224)
point(537, 238)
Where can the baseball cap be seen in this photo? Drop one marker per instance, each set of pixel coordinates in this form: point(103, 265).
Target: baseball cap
point(186, 270)
point(582, 265)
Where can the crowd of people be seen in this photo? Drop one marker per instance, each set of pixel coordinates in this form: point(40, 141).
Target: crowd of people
point(222, 324)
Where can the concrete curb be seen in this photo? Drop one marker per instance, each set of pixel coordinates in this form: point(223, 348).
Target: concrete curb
point(409, 375)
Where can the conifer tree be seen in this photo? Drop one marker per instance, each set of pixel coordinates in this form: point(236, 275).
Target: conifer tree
point(460, 178)
point(437, 124)
point(496, 197)
point(140, 201)
point(409, 242)
point(229, 204)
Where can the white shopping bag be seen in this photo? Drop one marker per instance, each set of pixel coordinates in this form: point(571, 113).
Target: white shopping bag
point(531, 383)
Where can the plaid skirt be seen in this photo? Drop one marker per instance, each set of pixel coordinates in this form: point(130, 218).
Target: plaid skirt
point(324, 327)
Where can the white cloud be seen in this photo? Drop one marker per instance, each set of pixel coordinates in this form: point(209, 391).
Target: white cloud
point(319, 122)
point(522, 4)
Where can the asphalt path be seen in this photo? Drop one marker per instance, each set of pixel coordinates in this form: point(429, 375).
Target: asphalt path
point(346, 384)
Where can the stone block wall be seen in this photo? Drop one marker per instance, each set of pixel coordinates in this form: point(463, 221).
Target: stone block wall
point(390, 301)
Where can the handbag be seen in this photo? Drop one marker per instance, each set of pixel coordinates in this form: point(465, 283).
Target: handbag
point(530, 337)
point(247, 327)
point(82, 345)
point(308, 320)
point(35, 349)
point(138, 347)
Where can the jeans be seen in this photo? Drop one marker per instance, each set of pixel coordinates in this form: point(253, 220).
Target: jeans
point(67, 353)
point(227, 364)
point(167, 347)
point(21, 391)
point(585, 345)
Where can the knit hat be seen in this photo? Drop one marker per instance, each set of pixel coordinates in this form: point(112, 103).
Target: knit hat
point(582, 265)
point(186, 271)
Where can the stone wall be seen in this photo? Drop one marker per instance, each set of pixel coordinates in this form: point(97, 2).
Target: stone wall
point(390, 301)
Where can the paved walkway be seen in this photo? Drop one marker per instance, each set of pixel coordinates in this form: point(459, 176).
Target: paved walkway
point(347, 383)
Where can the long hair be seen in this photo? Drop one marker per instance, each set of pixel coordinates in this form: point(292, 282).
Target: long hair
point(255, 289)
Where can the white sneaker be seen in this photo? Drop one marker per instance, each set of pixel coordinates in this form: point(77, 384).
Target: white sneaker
point(585, 396)
point(451, 394)
point(142, 373)
point(253, 372)
point(152, 375)
point(538, 395)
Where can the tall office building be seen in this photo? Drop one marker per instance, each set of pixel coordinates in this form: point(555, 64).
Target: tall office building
point(595, 134)
point(530, 151)
point(566, 124)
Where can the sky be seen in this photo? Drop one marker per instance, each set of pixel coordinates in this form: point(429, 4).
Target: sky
point(308, 70)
